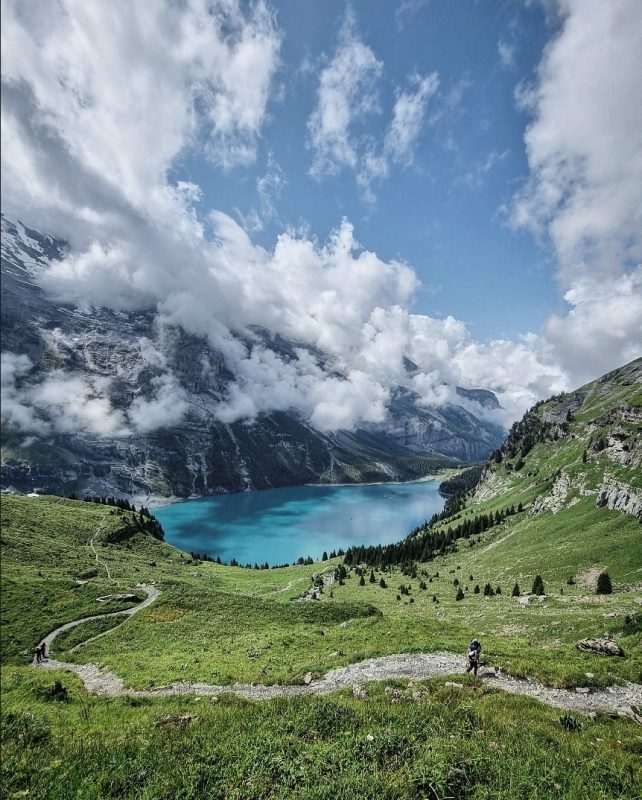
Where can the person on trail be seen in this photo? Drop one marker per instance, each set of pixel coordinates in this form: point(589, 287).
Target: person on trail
point(43, 653)
point(473, 655)
point(38, 656)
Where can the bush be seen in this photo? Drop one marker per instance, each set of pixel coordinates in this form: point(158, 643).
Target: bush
point(383, 584)
point(515, 592)
point(604, 585)
point(538, 585)
point(460, 594)
point(476, 589)
point(570, 723)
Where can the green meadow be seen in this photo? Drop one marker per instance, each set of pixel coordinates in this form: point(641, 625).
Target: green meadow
point(217, 624)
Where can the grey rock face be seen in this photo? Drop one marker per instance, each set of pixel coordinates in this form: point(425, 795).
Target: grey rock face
point(127, 354)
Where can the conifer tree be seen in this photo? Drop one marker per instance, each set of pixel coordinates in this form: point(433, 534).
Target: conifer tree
point(515, 592)
point(460, 594)
point(604, 585)
point(538, 585)
point(372, 577)
point(362, 581)
point(383, 584)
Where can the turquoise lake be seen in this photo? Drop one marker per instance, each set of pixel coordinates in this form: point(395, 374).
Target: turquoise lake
point(281, 525)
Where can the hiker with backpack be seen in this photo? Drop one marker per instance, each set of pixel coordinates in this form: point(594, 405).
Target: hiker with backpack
point(473, 656)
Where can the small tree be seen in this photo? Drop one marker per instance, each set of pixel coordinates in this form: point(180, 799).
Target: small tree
point(460, 594)
point(498, 590)
point(488, 590)
point(372, 577)
point(476, 589)
point(604, 585)
point(383, 584)
point(362, 581)
point(538, 586)
point(515, 592)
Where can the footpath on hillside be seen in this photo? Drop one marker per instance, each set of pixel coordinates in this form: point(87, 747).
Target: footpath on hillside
point(625, 700)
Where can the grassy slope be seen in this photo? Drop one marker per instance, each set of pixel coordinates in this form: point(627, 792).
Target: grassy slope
point(222, 624)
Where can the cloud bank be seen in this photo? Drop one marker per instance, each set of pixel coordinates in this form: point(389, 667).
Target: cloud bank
point(86, 92)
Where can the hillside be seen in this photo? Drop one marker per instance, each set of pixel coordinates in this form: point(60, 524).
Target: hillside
point(105, 402)
point(220, 625)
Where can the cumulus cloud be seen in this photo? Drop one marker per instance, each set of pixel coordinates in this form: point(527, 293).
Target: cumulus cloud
point(584, 144)
point(347, 93)
point(83, 159)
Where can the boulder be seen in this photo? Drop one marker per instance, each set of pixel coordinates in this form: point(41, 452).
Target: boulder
point(606, 646)
point(359, 691)
point(121, 598)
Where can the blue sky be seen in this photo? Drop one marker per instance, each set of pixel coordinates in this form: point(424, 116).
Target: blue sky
point(444, 213)
point(455, 183)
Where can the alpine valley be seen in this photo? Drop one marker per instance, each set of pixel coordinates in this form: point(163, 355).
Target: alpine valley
point(110, 352)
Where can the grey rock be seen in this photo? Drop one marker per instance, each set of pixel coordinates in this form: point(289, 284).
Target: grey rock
point(604, 646)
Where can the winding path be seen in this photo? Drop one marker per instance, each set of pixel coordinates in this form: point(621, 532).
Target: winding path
point(625, 700)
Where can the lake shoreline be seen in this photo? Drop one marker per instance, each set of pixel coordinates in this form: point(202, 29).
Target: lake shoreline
point(154, 501)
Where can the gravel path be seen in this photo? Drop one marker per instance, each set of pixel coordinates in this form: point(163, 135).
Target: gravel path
point(624, 700)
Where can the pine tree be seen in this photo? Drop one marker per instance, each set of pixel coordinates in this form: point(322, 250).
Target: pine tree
point(383, 584)
point(515, 592)
point(538, 585)
point(488, 590)
point(362, 581)
point(372, 577)
point(460, 594)
point(324, 557)
point(498, 590)
point(476, 589)
point(604, 585)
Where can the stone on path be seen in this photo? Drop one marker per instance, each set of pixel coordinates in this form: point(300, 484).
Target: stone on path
point(359, 692)
point(307, 678)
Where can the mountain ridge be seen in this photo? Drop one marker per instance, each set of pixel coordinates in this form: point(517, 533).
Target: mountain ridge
point(123, 361)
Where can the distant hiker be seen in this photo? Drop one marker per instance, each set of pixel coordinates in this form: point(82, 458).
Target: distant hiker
point(473, 655)
point(43, 653)
point(38, 656)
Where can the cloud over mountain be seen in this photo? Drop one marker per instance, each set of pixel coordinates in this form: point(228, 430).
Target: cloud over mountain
point(99, 107)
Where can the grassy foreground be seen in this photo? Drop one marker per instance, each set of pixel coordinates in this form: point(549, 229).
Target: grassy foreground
point(426, 741)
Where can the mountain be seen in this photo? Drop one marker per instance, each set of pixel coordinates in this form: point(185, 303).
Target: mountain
point(585, 444)
point(200, 454)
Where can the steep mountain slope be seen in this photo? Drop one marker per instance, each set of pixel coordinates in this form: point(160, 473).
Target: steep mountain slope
point(586, 444)
point(122, 360)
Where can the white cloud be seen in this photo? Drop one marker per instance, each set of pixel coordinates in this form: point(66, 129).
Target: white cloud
point(506, 54)
point(60, 402)
point(584, 145)
point(166, 408)
point(408, 118)
point(86, 94)
point(347, 94)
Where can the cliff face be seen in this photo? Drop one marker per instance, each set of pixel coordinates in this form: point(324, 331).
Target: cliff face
point(585, 444)
point(125, 357)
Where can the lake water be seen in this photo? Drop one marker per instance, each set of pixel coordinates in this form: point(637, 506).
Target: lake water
point(280, 525)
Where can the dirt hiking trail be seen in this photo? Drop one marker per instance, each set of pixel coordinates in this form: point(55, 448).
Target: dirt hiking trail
point(624, 700)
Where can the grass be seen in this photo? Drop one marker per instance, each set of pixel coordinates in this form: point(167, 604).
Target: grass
point(221, 625)
point(426, 741)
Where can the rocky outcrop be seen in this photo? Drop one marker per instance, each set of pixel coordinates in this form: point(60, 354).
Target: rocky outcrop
point(556, 499)
point(619, 497)
point(491, 484)
point(604, 646)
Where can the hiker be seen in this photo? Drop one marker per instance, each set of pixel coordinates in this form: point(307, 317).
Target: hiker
point(38, 656)
point(473, 655)
point(43, 654)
